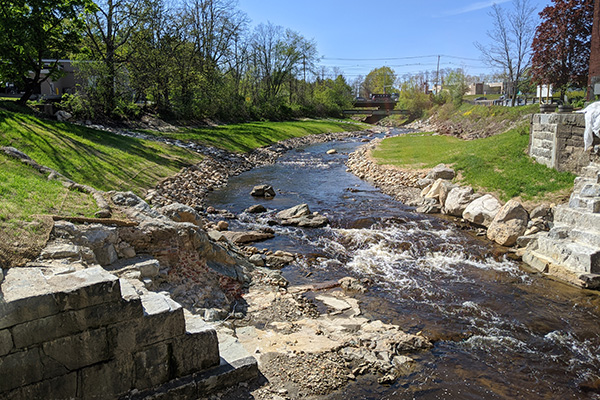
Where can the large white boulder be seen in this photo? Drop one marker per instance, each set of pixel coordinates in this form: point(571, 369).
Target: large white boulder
point(458, 199)
point(509, 224)
point(482, 210)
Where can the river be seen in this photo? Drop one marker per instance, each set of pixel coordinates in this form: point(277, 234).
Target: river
point(500, 330)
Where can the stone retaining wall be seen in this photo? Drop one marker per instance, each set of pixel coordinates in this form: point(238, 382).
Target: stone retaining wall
point(556, 140)
point(88, 335)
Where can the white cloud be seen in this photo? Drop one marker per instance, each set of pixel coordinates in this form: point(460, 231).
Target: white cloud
point(474, 7)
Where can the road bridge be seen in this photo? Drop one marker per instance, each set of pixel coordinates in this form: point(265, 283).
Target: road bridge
point(376, 108)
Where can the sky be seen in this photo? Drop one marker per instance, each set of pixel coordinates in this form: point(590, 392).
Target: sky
point(405, 35)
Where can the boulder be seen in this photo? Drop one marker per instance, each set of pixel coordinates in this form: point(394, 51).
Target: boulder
point(440, 171)
point(458, 199)
point(222, 225)
point(482, 210)
point(332, 151)
point(247, 237)
point(542, 211)
point(257, 259)
point(439, 190)
point(62, 115)
point(430, 205)
point(265, 191)
point(182, 213)
point(301, 210)
point(508, 224)
point(424, 182)
point(256, 209)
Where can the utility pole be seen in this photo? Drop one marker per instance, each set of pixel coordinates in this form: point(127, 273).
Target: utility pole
point(437, 76)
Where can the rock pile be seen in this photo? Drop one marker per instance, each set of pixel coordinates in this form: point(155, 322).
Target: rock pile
point(398, 183)
point(434, 192)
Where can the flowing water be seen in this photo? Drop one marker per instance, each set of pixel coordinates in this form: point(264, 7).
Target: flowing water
point(500, 330)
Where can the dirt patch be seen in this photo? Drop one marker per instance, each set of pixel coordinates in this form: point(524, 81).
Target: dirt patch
point(22, 241)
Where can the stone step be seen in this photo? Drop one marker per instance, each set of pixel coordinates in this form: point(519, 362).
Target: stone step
point(588, 238)
point(235, 366)
point(574, 256)
point(584, 203)
point(574, 218)
point(591, 171)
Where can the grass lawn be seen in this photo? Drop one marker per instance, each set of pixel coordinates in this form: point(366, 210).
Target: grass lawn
point(99, 159)
point(248, 136)
point(497, 164)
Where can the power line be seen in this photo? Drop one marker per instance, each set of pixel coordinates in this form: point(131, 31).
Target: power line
point(398, 58)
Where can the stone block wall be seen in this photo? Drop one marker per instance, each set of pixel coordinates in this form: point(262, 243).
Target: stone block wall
point(556, 140)
point(87, 334)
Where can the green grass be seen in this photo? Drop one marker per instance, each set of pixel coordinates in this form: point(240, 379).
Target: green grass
point(497, 164)
point(248, 136)
point(97, 158)
point(25, 192)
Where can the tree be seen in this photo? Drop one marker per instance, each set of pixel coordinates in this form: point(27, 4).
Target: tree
point(380, 80)
point(456, 83)
point(511, 37)
point(561, 46)
point(34, 35)
point(276, 54)
point(109, 29)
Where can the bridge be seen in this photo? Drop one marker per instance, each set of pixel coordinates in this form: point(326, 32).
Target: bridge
point(376, 108)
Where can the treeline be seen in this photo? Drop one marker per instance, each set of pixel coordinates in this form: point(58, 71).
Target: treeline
point(189, 59)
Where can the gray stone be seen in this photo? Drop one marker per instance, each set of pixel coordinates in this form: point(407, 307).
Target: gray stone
point(106, 380)
point(151, 366)
point(265, 191)
point(80, 350)
point(458, 199)
point(61, 387)
point(198, 349)
point(542, 211)
point(526, 240)
point(73, 322)
point(20, 369)
point(440, 171)
point(256, 209)
point(6, 342)
point(28, 294)
point(509, 223)
point(257, 259)
point(106, 254)
point(298, 211)
point(429, 205)
point(247, 237)
point(182, 213)
point(148, 268)
point(62, 115)
point(60, 250)
point(424, 182)
point(482, 210)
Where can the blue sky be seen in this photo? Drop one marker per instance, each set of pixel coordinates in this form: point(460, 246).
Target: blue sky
point(358, 36)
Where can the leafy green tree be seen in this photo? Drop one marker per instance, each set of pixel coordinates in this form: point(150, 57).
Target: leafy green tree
point(34, 35)
point(109, 30)
point(456, 84)
point(380, 80)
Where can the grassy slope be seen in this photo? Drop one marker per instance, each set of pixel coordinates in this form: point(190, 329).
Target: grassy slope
point(100, 159)
point(245, 137)
point(496, 164)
